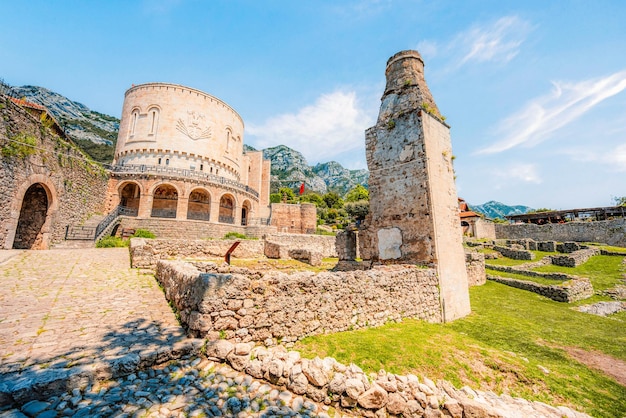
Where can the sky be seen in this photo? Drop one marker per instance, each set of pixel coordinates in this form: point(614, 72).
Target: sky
point(534, 91)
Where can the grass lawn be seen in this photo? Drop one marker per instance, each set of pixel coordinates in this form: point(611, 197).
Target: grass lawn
point(604, 271)
point(499, 347)
point(504, 261)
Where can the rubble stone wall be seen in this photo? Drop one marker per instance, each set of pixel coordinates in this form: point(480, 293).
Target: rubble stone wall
point(514, 254)
point(324, 244)
point(611, 232)
point(75, 187)
point(572, 291)
point(574, 259)
point(244, 305)
point(475, 266)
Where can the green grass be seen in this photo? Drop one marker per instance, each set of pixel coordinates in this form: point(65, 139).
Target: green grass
point(498, 347)
point(503, 261)
point(604, 271)
point(111, 242)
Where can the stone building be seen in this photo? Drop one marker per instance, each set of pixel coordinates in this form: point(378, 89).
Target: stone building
point(414, 213)
point(180, 156)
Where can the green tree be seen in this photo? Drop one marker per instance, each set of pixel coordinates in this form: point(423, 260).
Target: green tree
point(620, 201)
point(333, 200)
point(312, 197)
point(358, 193)
point(358, 210)
point(287, 194)
point(275, 198)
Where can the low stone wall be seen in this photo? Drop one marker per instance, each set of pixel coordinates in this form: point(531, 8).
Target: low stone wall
point(514, 254)
point(571, 291)
point(145, 253)
point(192, 230)
point(611, 232)
point(245, 305)
point(475, 265)
point(574, 259)
point(377, 394)
point(523, 269)
point(546, 246)
point(324, 244)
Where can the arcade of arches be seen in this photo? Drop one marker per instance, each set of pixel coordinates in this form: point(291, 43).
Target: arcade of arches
point(168, 201)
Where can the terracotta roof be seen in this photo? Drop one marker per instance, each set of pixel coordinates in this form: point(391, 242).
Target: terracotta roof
point(22, 102)
point(469, 214)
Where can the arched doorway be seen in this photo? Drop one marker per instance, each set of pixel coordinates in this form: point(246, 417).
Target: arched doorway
point(29, 232)
point(129, 199)
point(227, 209)
point(199, 207)
point(245, 213)
point(164, 202)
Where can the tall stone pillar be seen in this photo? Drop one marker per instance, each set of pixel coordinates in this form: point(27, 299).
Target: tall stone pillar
point(414, 215)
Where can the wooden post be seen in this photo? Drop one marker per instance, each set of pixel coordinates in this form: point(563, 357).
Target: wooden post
point(230, 251)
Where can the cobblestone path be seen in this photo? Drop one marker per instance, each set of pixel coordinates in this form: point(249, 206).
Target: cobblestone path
point(65, 310)
point(63, 307)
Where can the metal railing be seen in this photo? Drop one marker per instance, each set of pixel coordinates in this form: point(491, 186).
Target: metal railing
point(198, 216)
point(156, 169)
point(163, 213)
point(226, 219)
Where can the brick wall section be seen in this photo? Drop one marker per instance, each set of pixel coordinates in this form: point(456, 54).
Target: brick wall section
point(245, 305)
point(612, 232)
point(76, 188)
point(570, 291)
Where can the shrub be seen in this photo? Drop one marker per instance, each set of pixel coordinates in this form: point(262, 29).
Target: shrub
point(22, 145)
point(111, 242)
point(235, 235)
point(143, 233)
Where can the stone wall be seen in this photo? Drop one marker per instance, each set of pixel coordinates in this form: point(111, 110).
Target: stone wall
point(515, 254)
point(245, 305)
point(348, 388)
point(475, 265)
point(74, 187)
point(574, 259)
point(611, 232)
point(294, 219)
point(484, 229)
point(145, 253)
point(191, 230)
point(570, 291)
point(324, 244)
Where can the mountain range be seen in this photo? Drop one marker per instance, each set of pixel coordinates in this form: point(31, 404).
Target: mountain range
point(96, 134)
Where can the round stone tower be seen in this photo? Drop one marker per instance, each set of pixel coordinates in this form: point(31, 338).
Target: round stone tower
point(405, 81)
point(179, 127)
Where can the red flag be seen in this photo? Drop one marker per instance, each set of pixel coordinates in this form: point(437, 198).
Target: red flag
point(302, 188)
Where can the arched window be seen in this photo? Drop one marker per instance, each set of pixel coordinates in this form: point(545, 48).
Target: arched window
point(245, 213)
point(227, 209)
point(153, 114)
point(164, 202)
point(134, 117)
point(199, 207)
point(228, 135)
point(129, 199)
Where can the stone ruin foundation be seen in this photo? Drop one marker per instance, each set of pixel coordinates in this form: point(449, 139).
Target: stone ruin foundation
point(413, 216)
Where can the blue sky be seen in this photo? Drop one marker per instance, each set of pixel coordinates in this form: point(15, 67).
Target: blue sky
point(535, 91)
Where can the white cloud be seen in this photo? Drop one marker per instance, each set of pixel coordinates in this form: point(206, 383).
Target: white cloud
point(617, 158)
point(526, 173)
point(334, 124)
point(499, 41)
point(542, 116)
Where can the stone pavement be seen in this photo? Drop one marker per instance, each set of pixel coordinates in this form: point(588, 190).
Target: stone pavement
point(83, 334)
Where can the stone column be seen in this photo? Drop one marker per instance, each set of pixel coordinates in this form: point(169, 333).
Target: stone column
point(414, 216)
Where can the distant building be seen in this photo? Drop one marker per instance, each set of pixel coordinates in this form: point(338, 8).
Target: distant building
point(473, 224)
